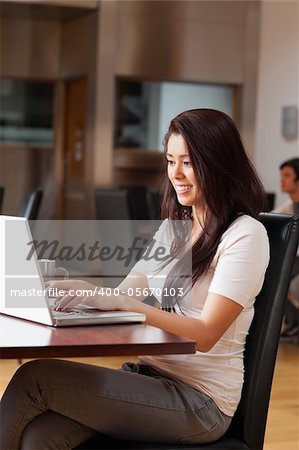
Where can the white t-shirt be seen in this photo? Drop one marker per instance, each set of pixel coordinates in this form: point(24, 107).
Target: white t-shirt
point(237, 272)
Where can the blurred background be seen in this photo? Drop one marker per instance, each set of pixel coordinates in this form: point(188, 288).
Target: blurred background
point(88, 88)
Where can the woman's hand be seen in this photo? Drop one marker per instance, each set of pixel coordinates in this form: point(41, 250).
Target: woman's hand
point(71, 293)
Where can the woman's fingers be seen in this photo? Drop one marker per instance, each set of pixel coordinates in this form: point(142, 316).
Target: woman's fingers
point(66, 302)
point(69, 293)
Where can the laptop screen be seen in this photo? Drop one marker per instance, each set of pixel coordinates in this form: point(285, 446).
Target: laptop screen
point(22, 289)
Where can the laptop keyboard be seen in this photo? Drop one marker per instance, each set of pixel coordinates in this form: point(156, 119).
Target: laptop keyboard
point(84, 312)
point(62, 314)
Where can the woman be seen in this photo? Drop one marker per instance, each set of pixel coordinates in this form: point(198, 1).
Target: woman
point(188, 399)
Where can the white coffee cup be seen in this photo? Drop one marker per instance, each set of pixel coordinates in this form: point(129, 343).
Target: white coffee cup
point(49, 270)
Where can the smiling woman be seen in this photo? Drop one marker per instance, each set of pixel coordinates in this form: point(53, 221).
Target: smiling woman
point(211, 185)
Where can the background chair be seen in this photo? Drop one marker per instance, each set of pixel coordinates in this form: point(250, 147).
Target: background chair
point(248, 425)
point(31, 205)
point(138, 202)
point(270, 200)
point(112, 204)
point(154, 204)
point(125, 203)
point(1, 198)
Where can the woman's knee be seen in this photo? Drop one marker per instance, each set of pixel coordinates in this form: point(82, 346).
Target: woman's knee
point(32, 371)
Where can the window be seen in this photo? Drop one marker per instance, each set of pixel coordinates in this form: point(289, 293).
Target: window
point(143, 110)
point(26, 113)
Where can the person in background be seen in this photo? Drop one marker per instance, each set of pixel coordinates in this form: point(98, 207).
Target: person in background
point(289, 176)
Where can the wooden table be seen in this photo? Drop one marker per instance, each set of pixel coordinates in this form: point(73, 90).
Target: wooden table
point(23, 339)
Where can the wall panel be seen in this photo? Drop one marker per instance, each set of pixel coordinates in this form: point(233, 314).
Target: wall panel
point(201, 41)
point(29, 49)
point(77, 46)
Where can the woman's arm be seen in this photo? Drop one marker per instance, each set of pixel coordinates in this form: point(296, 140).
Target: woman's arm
point(218, 314)
point(134, 281)
point(237, 279)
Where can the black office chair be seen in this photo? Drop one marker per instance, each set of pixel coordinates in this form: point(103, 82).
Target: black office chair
point(154, 204)
point(270, 200)
point(112, 204)
point(1, 198)
point(124, 203)
point(138, 202)
point(248, 425)
point(31, 205)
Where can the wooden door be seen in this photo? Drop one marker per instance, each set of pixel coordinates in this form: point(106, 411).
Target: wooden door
point(74, 151)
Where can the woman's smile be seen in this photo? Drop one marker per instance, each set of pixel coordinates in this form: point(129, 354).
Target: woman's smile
point(183, 189)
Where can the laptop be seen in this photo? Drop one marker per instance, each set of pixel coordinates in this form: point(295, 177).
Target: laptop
point(23, 293)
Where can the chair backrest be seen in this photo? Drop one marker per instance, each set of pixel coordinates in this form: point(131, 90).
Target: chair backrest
point(31, 206)
point(270, 201)
point(125, 203)
point(249, 421)
point(154, 204)
point(112, 204)
point(138, 202)
point(1, 198)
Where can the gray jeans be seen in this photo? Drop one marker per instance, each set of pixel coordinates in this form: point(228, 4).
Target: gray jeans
point(56, 405)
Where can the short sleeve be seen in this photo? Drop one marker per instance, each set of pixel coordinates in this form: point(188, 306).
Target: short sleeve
point(242, 261)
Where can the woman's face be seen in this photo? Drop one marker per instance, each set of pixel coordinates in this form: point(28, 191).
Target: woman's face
point(180, 171)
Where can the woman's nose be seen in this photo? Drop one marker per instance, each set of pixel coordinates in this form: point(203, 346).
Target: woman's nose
point(178, 173)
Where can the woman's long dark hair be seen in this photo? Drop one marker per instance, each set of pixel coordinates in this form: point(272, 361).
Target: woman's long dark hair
point(228, 184)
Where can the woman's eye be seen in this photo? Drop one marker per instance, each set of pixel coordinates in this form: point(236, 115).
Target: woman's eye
point(187, 163)
point(170, 163)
